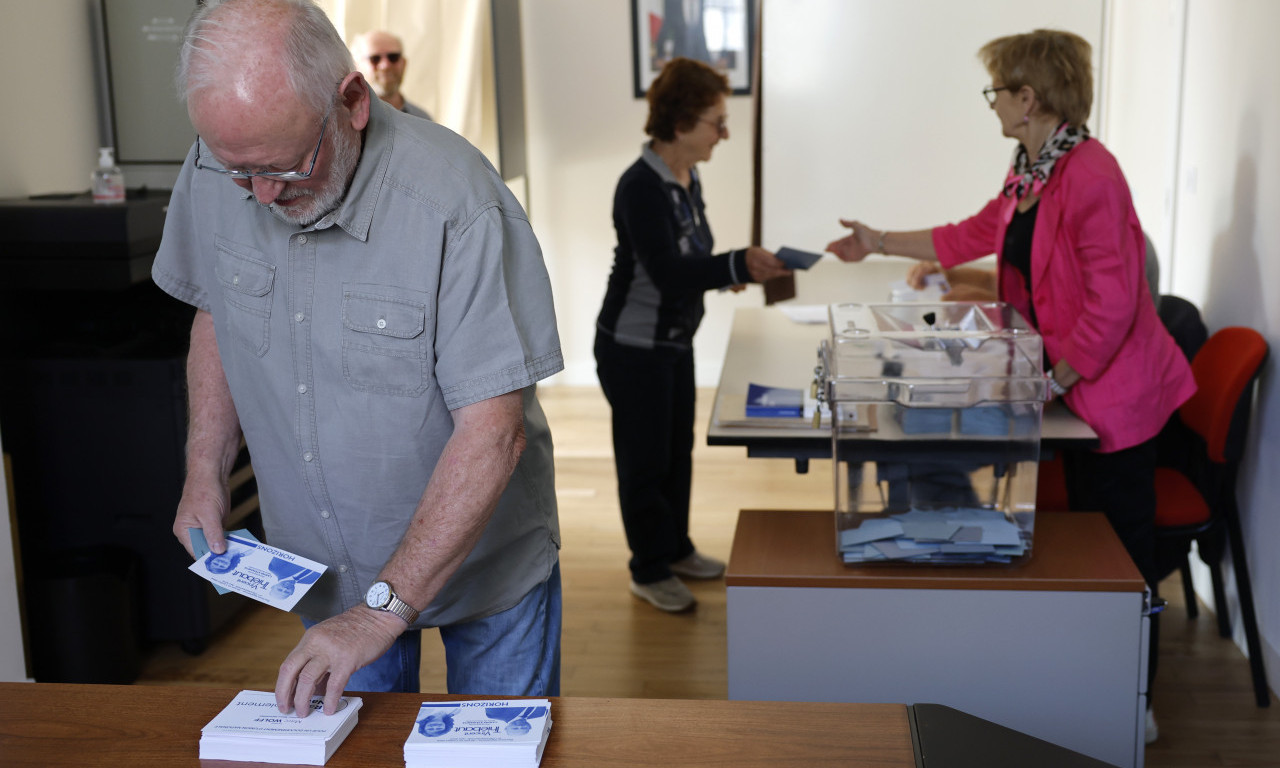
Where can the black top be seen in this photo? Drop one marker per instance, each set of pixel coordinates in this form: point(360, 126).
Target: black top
point(663, 262)
point(1017, 250)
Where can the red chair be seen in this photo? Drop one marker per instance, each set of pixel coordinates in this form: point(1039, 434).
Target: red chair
point(1198, 502)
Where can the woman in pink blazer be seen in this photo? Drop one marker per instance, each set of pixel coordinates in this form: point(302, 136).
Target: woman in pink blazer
point(1070, 253)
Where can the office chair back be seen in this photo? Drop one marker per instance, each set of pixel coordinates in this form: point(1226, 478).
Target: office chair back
point(1181, 318)
point(1225, 368)
point(1201, 505)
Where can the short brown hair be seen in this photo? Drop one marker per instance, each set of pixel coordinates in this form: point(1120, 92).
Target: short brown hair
point(1056, 64)
point(681, 92)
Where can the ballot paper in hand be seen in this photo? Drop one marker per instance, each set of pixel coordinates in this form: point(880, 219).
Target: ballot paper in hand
point(265, 573)
point(251, 729)
point(797, 259)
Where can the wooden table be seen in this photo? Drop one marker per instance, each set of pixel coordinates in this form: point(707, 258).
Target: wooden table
point(1054, 648)
point(51, 725)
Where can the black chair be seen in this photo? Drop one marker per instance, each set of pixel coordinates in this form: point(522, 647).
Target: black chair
point(1197, 502)
point(1176, 445)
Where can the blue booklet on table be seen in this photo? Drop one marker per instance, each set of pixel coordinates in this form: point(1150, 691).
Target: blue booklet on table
point(773, 402)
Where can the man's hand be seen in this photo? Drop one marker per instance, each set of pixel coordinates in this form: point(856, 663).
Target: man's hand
point(329, 652)
point(763, 265)
point(857, 245)
point(205, 505)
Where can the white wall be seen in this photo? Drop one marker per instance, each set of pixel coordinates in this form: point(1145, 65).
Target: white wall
point(49, 139)
point(1143, 103)
point(1227, 236)
point(874, 110)
point(585, 128)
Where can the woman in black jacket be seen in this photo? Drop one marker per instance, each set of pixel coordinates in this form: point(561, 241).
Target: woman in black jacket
point(663, 264)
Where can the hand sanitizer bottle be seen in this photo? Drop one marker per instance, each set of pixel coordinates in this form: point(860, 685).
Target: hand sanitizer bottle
point(108, 181)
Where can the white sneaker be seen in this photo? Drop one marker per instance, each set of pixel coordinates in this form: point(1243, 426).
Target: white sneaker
point(667, 595)
point(698, 566)
point(1153, 730)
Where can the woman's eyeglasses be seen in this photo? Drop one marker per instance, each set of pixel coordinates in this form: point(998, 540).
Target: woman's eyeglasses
point(991, 90)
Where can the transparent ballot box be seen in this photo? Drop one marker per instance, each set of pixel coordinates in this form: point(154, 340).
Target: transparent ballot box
point(935, 435)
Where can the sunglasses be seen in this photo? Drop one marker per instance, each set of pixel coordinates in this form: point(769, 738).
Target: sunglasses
point(376, 58)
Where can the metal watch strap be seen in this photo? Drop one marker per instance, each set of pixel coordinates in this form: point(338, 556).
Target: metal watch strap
point(401, 608)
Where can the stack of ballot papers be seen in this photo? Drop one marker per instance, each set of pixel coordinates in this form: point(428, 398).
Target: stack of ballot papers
point(954, 535)
point(251, 729)
point(496, 733)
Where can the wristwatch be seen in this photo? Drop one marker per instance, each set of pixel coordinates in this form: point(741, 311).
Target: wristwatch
point(381, 597)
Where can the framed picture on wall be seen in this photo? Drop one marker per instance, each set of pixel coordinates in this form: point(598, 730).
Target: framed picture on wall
point(719, 32)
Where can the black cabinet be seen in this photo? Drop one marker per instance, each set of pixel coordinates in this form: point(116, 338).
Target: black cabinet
point(93, 417)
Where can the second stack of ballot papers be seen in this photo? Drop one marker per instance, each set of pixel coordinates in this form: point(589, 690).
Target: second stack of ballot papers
point(479, 733)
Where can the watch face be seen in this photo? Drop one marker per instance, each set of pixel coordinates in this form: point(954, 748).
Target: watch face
point(378, 594)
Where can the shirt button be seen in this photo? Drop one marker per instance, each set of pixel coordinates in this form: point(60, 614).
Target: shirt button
point(299, 317)
point(308, 456)
point(302, 239)
point(382, 323)
point(235, 279)
point(342, 568)
point(302, 389)
point(324, 513)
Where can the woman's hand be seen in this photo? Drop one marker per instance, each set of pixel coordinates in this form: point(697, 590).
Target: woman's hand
point(858, 244)
point(918, 272)
point(763, 265)
point(1065, 375)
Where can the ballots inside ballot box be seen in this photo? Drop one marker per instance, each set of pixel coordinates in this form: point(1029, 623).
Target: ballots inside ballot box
point(956, 390)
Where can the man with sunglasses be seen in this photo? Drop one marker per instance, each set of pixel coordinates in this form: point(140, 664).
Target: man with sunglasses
point(373, 313)
point(380, 56)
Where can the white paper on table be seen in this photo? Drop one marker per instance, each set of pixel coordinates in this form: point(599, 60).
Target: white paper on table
point(807, 314)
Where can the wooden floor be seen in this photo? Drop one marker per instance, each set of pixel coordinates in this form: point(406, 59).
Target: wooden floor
point(616, 646)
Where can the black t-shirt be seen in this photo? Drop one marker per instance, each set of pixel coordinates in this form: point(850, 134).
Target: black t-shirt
point(1017, 250)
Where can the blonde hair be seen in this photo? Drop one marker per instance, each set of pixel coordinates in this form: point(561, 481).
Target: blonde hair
point(1056, 64)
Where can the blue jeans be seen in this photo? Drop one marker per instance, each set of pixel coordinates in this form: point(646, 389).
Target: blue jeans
point(512, 653)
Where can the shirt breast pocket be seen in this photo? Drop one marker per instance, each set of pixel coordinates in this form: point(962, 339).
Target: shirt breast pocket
point(247, 292)
point(384, 341)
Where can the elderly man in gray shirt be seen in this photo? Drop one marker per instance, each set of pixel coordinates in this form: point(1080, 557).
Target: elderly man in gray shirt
point(373, 314)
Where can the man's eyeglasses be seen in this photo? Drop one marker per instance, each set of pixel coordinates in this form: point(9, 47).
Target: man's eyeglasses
point(272, 175)
point(376, 58)
point(991, 90)
point(721, 125)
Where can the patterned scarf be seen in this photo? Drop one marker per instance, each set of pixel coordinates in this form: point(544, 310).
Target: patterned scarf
point(1026, 177)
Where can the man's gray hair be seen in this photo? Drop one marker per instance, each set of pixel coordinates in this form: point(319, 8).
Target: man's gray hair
point(316, 59)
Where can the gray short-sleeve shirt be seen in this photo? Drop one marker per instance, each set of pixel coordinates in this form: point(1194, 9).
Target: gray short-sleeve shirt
point(346, 345)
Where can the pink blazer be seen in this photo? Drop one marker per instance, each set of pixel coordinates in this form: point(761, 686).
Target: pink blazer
point(1090, 294)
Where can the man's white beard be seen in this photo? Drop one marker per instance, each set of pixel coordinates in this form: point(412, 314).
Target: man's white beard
point(346, 154)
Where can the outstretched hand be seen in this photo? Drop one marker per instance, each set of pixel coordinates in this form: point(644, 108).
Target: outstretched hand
point(329, 653)
point(763, 265)
point(857, 245)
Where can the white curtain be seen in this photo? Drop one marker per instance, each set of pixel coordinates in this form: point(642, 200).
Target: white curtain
point(449, 47)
